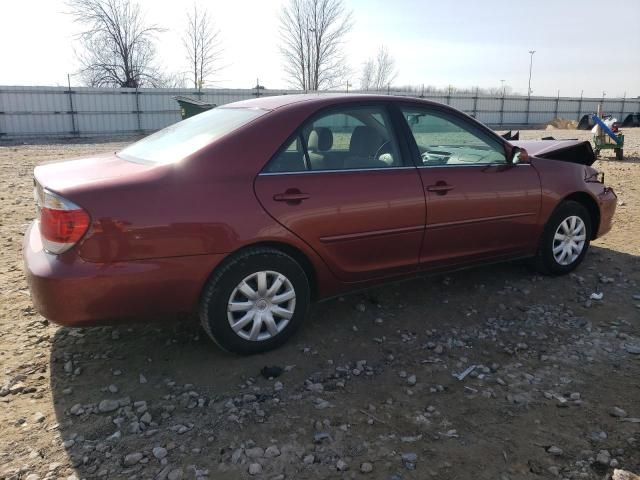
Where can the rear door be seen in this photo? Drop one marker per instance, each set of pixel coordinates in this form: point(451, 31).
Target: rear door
point(479, 206)
point(344, 185)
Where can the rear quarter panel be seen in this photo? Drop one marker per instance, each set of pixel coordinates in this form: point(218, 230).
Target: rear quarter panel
point(200, 205)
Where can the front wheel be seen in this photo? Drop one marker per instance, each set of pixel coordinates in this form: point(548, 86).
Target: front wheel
point(255, 301)
point(565, 240)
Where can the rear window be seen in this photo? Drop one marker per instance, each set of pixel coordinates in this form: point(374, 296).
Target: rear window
point(181, 139)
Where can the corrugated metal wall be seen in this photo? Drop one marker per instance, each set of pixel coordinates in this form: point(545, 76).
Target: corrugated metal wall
point(59, 112)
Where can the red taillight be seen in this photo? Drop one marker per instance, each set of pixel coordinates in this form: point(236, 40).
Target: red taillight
point(63, 226)
point(62, 222)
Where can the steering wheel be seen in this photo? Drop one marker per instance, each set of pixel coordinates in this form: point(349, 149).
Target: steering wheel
point(379, 151)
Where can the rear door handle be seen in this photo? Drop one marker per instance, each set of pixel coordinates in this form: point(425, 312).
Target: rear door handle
point(441, 188)
point(292, 196)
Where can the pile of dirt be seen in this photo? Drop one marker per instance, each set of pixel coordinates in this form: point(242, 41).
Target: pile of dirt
point(561, 124)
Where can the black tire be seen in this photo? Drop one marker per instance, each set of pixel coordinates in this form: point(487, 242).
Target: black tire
point(218, 290)
point(545, 261)
point(619, 154)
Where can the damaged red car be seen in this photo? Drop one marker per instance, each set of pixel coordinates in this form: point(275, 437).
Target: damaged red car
point(248, 212)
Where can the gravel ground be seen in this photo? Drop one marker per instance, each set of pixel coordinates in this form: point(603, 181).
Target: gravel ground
point(368, 387)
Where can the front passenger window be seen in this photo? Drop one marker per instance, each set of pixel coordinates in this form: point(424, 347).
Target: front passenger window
point(447, 141)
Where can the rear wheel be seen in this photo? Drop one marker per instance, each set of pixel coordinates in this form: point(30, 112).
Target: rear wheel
point(565, 240)
point(255, 302)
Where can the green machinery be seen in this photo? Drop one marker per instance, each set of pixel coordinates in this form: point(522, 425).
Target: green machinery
point(607, 139)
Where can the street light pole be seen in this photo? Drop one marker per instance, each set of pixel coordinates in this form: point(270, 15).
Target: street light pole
point(531, 52)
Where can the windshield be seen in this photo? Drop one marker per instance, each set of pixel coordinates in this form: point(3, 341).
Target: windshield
point(181, 139)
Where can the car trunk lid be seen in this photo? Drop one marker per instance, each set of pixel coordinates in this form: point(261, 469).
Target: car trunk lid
point(66, 176)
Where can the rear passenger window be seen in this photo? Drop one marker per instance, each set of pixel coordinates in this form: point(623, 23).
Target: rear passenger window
point(291, 159)
point(345, 139)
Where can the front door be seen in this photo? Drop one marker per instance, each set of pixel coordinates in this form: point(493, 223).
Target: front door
point(479, 206)
point(342, 185)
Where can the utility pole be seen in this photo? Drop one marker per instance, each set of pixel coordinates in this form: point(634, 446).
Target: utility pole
point(502, 105)
point(580, 105)
point(71, 112)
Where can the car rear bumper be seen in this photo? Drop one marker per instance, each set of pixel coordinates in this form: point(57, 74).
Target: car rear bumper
point(607, 201)
point(70, 291)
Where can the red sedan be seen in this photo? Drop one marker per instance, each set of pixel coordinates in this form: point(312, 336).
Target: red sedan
point(247, 212)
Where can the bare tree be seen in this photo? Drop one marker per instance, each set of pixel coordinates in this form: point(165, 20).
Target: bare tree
point(420, 90)
point(117, 46)
point(385, 69)
point(202, 42)
point(173, 80)
point(497, 91)
point(313, 33)
point(368, 74)
point(378, 72)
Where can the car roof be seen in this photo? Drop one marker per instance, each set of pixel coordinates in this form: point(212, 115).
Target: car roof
point(318, 100)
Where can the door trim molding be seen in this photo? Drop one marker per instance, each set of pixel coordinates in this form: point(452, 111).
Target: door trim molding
point(435, 226)
point(371, 234)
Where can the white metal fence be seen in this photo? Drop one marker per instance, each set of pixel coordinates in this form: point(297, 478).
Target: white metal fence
point(80, 111)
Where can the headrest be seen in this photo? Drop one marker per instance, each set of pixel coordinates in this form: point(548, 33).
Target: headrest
point(320, 139)
point(364, 141)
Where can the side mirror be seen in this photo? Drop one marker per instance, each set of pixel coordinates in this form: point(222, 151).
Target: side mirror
point(519, 156)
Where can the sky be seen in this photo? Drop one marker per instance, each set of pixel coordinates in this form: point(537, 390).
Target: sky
point(463, 43)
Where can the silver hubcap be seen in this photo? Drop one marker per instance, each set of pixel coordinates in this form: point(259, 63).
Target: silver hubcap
point(569, 240)
point(261, 306)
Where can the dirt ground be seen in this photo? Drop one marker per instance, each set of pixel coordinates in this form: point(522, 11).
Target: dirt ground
point(368, 389)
